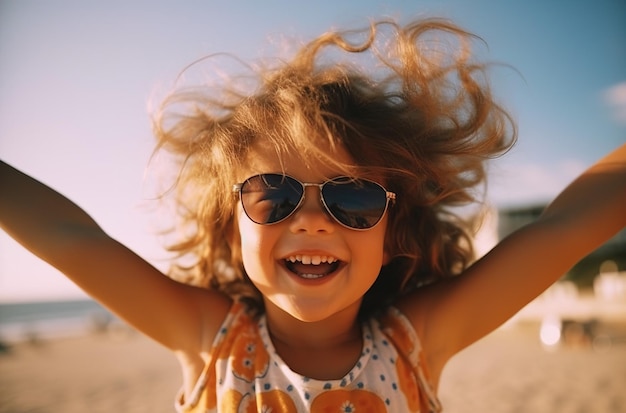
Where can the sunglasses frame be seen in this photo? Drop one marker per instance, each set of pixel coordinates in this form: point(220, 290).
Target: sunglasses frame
point(389, 197)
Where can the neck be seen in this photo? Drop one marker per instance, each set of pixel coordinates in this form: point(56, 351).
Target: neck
point(323, 350)
point(338, 330)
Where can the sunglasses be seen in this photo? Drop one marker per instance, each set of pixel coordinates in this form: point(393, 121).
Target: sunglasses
point(357, 204)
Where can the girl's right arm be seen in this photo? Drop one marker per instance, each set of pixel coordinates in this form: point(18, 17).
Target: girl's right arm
point(62, 234)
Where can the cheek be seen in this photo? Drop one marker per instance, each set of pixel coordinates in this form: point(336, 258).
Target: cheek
point(248, 238)
point(378, 244)
point(369, 247)
point(387, 253)
point(256, 242)
point(249, 254)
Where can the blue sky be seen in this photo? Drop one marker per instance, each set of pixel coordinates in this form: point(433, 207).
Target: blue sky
point(76, 78)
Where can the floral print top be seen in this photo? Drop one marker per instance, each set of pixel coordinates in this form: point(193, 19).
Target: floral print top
point(245, 374)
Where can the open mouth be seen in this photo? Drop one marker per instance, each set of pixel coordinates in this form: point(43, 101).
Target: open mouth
point(312, 267)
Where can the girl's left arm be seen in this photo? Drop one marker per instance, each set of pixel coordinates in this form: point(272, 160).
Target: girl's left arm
point(453, 314)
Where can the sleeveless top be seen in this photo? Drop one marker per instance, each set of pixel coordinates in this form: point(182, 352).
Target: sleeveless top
point(245, 374)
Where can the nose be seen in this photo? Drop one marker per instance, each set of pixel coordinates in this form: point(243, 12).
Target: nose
point(312, 216)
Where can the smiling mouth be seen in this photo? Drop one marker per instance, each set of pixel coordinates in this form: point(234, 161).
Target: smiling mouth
point(312, 267)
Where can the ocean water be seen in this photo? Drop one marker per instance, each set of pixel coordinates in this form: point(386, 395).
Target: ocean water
point(31, 321)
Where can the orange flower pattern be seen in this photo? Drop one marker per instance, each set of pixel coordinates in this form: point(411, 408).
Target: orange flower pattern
point(347, 401)
point(246, 375)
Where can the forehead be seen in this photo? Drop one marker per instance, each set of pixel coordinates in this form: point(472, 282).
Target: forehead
point(317, 165)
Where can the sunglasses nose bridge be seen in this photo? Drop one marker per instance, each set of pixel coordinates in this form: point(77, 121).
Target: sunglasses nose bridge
point(319, 196)
point(320, 204)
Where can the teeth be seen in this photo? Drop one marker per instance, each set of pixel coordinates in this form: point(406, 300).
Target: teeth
point(311, 276)
point(311, 259)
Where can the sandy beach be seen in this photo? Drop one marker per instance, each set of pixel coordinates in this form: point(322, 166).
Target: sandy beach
point(509, 371)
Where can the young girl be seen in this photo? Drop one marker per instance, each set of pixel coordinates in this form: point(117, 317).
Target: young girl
point(321, 265)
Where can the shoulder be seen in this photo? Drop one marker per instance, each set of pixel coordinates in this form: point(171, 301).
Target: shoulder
point(216, 339)
point(400, 331)
point(240, 316)
point(413, 317)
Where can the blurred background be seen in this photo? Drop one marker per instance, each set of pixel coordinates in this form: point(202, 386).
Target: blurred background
point(76, 82)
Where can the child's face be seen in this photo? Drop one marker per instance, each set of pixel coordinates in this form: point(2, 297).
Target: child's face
point(309, 234)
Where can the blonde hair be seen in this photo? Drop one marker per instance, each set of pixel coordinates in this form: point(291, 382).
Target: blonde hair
point(418, 114)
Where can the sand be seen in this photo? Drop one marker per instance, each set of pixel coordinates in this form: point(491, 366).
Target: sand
point(509, 371)
point(94, 373)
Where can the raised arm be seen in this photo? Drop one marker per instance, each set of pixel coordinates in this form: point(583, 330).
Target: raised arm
point(594, 203)
point(455, 313)
point(58, 231)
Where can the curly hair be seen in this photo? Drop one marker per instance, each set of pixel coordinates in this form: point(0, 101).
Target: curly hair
point(416, 112)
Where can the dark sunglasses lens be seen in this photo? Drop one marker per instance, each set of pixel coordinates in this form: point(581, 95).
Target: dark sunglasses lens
point(269, 198)
point(356, 204)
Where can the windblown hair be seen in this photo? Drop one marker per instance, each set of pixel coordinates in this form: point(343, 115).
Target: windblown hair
point(417, 113)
